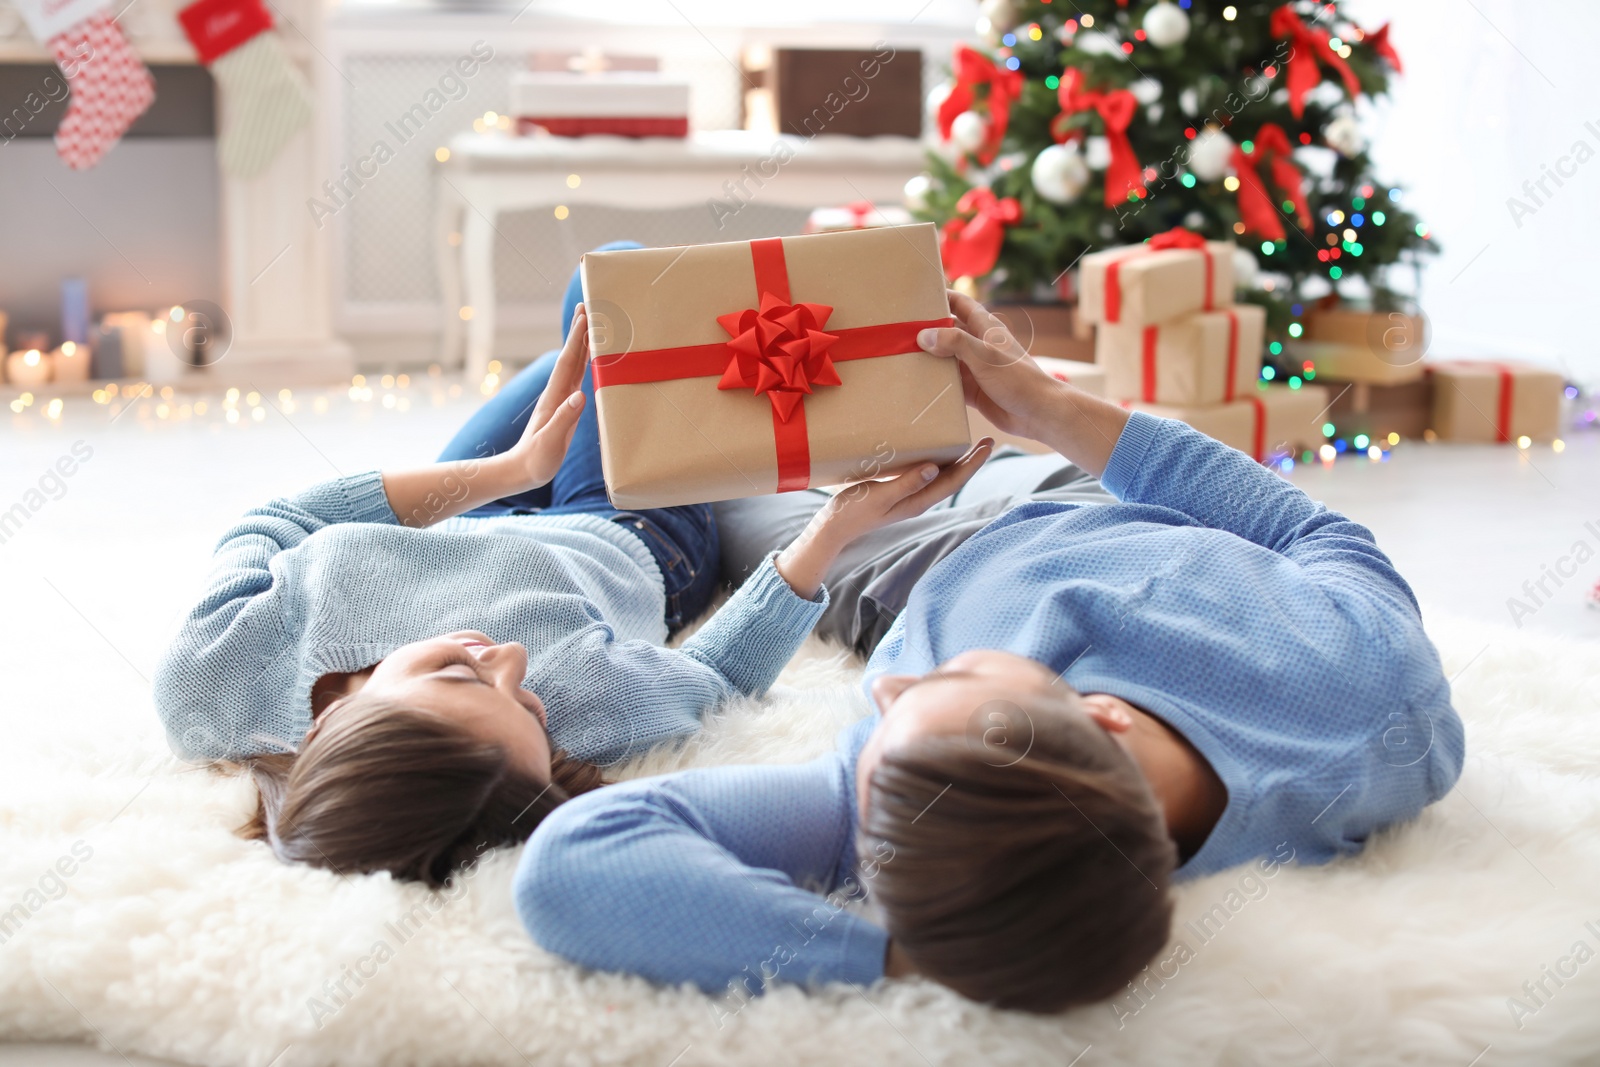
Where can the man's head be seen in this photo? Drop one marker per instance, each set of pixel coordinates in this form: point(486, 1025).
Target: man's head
point(1027, 858)
point(429, 760)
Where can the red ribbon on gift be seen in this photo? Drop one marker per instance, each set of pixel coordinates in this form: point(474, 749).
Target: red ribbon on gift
point(1257, 210)
point(1307, 46)
point(1378, 40)
point(860, 212)
point(778, 350)
point(1505, 398)
point(1116, 109)
point(1177, 237)
point(1260, 433)
point(972, 69)
point(217, 27)
point(1147, 370)
point(971, 247)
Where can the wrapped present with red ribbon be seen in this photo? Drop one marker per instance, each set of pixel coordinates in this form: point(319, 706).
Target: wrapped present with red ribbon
point(1169, 275)
point(1209, 357)
point(1267, 422)
point(1495, 401)
point(1351, 345)
point(753, 367)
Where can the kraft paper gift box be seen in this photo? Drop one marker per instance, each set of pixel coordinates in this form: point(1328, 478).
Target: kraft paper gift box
point(1268, 421)
point(1376, 347)
point(1379, 410)
point(739, 369)
point(1209, 357)
point(1086, 376)
point(1169, 275)
point(1500, 401)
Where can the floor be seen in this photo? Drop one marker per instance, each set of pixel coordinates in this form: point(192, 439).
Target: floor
point(110, 553)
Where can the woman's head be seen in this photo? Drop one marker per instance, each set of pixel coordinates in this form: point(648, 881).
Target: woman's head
point(1023, 860)
point(437, 757)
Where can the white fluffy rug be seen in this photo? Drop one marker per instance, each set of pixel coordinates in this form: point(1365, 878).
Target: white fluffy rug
point(171, 937)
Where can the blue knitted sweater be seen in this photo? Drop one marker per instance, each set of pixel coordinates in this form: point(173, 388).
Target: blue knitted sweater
point(1269, 631)
point(329, 581)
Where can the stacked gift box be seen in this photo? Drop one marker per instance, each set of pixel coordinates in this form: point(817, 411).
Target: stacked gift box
point(1384, 390)
point(1172, 342)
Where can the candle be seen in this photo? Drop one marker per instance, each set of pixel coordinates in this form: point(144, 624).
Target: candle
point(28, 367)
point(70, 362)
point(135, 328)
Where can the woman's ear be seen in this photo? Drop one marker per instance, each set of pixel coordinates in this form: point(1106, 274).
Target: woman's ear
point(1109, 711)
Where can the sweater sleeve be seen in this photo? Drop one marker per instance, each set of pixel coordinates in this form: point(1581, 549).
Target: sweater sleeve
point(609, 699)
point(1166, 463)
point(710, 877)
point(242, 609)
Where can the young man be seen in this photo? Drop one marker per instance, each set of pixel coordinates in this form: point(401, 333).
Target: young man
point(1076, 704)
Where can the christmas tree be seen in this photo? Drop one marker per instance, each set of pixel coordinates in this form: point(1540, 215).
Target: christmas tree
point(1084, 125)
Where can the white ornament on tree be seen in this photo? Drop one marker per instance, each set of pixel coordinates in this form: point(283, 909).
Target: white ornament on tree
point(1189, 101)
point(1059, 174)
point(1210, 154)
point(1002, 14)
point(1245, 269)
point(1344, 136)
point(969, 130)
point(916, 192)
point(1166, 25)
point(936, 98)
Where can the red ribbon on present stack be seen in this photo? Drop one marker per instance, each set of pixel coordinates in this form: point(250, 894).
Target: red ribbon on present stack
point(1177, 237)
point(972, 69)
point(1152, 336)
point(1116, 109)
point(1307, 47)
point(778, 349)
point(971, 247)
point(1257, 209)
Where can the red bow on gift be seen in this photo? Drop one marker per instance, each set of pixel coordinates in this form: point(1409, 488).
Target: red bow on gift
point(780, 351)
point(972, 69)
point(1116, 109)
point(1257, 209)
point(970, 247)
point(1379, 41)
point(1307, 47)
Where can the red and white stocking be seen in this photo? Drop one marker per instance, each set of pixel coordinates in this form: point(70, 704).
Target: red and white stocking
point(111, 87)
point(265, 98)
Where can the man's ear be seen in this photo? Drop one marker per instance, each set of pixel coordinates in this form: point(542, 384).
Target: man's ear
point(1108, 711)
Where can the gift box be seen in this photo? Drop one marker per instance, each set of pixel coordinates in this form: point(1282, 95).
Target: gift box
point(620, 103)
point(1169, 275)
point(859, 215)
point(1376, 347)
point(1501, 401)
point(738, 369)
point(1268, 421)
point(1086, 376)
point(1208, 357)
point(1377, 411)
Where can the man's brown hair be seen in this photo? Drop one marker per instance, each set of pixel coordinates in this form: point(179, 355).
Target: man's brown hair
point(384, 787)
point(1036, 883)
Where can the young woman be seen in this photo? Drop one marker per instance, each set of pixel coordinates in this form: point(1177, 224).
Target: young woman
point(419, 665)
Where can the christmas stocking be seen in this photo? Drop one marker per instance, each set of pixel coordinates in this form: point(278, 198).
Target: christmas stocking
point(110, 86)
point(265, 96)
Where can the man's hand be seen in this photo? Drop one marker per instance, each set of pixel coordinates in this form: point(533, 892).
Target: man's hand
point(536, 457)
point(1004, 384)
point(867, 506)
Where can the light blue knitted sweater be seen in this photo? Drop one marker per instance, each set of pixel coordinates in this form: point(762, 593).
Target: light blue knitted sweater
point(329, 581)
point(1269, 631)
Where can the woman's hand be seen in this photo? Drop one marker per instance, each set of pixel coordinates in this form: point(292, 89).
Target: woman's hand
point(867, 506)
point(536, 457)
point(1004, 384)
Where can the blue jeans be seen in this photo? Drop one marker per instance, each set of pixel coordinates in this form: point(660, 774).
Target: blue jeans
point(683, 540)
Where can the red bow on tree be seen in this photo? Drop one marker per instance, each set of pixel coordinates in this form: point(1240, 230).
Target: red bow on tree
point(1257, 208)
point(1116, 109)
point(1307, 46)
point(1379, 41)
point(972, 69)
point(970, 247)
point(780, 350)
